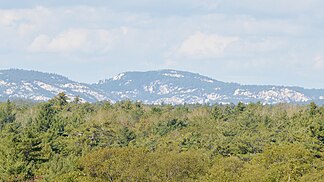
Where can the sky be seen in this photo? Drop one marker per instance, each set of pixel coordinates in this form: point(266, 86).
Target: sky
point(277, 42)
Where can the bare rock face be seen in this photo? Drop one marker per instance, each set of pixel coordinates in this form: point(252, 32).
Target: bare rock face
point(152, 87)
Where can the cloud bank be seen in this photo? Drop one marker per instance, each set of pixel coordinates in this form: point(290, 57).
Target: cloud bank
point(273, 42)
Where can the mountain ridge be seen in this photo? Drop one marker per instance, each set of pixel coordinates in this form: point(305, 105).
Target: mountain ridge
point(151, 87)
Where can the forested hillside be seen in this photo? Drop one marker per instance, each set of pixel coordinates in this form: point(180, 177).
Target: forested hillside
point(126, 141)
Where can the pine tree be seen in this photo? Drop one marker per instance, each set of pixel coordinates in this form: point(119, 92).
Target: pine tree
point(7, 114)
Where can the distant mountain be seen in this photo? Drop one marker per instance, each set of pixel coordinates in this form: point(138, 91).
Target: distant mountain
point(38, 86)
point(152, 87)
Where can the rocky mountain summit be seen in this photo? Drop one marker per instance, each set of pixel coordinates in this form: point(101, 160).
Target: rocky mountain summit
point(152, 87)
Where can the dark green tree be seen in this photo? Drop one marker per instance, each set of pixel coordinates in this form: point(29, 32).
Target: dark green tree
point(7, 114)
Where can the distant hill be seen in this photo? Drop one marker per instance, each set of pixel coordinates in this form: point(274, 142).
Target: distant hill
point(38, 86)
point(152, 87)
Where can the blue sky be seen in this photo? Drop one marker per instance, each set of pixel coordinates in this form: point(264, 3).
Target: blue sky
point(277, 42)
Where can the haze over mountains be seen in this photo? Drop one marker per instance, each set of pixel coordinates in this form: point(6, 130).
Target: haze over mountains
point(152, 87)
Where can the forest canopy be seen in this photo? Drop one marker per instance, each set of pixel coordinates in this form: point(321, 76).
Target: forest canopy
point(62, 140)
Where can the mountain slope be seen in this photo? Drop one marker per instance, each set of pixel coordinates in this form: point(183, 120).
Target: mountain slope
point(152, 87)
point(38, 86)
point(178, 87)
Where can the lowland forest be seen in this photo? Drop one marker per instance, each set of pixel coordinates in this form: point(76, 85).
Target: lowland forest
point(66, 140)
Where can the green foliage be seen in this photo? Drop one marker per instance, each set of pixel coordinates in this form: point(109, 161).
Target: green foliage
point(73, 141)
point(7, 114)
point(138, 164)
point(165, 128)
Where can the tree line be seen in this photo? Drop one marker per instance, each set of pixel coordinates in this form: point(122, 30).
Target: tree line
point(62, 140)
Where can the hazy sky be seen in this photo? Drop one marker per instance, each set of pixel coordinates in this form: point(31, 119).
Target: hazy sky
point(247, 41)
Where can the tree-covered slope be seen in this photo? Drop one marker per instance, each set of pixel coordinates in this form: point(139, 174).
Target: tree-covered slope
point(126, 141)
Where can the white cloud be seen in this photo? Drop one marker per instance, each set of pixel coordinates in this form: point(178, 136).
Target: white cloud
point(39, 43)
point(240, 34)
point(7, 17)
point(69, 41)
point(84, 40)
point(256, 45)
point(125, 30)
point(200, 45)
point(26, 28)
point(23, 19)
point(276, 6)
point(319, 62)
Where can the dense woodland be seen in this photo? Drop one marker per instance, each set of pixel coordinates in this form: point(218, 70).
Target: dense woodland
point(63, 140)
